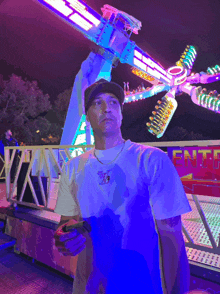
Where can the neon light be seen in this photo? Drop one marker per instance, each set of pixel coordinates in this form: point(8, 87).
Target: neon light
point(79, 7)
point(149, 62)
point(214, 104)
point(80, 21)
point(153, 72)
point(160, 69)
point(142, 74)
point(189, 60)
point(169, 76)
point(202, 98)
point(60, 5)
point(207, 101)
point(217, 105)
point(194, 50)
point(180, 81)
point(210, 101)
point(186, 63)
point(194, 54)
point(157, 74)
point(217, 67)
point(165, 78)
point(137, 54)
point(175, 70)
point(140, 64)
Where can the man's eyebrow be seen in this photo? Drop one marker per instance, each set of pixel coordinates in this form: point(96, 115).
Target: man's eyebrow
point(111, 97)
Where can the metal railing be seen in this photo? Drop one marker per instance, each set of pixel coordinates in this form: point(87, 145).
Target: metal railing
point(43, 161)
point(2, 167)
point(48, 160)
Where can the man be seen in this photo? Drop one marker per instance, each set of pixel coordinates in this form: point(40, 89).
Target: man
point(132, 197)
point(8, 140)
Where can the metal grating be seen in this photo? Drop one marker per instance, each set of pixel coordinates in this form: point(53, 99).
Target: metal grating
point(196, 229)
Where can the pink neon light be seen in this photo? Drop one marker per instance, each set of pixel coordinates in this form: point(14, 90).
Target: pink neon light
point(80, 21)
point(175, 70)
point(82, 10)
point(138, 54)
point(60, 6)
point(155, 66)
point(140, 64)
point(154, 73)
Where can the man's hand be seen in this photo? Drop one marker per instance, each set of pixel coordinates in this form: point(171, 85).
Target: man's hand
point(70, 243)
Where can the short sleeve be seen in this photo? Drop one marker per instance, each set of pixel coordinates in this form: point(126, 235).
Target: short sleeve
point(167, 195)
point(66, 205)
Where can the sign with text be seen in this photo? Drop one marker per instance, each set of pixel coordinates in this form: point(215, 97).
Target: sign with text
point(198, 168)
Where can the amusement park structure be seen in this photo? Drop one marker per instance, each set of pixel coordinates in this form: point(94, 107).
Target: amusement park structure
point(111, 32)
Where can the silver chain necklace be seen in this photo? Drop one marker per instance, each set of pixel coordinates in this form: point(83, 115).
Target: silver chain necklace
point(113, 159)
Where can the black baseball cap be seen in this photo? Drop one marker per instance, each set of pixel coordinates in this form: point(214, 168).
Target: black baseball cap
point(103, 86)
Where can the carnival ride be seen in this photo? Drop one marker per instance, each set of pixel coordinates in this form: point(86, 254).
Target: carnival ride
point(111, 32)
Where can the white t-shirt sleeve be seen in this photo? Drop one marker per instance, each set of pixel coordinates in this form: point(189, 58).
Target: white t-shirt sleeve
point(66, 205)
point(167, 195)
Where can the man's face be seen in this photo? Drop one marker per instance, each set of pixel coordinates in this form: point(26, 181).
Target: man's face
point(104, 114)
point(8, 133)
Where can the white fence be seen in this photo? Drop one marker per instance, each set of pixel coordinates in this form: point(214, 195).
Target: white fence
point(42, 162)
point(47, 161)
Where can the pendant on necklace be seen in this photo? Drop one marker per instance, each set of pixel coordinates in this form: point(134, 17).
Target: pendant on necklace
point(104, 177)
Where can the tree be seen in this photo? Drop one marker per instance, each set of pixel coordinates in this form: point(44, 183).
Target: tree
point(53, 135)
point(61, 105)
point(196, 137)
point(22, 105)
point(180, 134)
point(177, 134)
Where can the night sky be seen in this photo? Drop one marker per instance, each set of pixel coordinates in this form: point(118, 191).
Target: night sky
point(36, 44)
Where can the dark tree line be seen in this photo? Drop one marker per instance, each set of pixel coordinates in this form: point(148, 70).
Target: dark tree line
point(29, 113)
point(35, 121)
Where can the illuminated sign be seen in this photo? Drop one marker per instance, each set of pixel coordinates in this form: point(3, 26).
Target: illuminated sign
point(198, 168)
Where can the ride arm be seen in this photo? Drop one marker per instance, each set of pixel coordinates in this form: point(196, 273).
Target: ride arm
point(109, 32)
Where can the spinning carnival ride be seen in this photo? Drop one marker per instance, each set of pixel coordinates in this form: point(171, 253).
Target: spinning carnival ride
point(111, 32)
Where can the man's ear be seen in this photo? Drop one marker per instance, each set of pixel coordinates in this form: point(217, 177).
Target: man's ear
point(87, 118)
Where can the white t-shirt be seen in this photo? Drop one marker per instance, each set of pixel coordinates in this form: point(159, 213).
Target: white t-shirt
point(120, 201)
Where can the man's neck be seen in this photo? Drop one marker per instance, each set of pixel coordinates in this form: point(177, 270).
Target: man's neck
point(104, 143)
point(8, 137)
